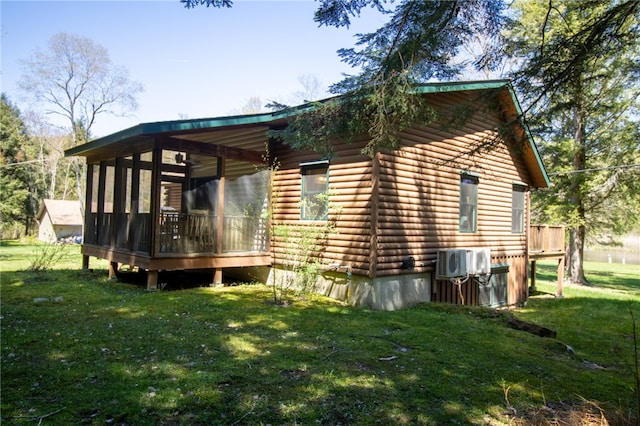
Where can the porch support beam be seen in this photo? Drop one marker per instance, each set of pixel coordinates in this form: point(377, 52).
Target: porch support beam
point(532, 288)
point(220, 224)
point(560, 277)
point(202, 148)
point(135, 200)
point(119, 202)
point(86, 211)
point(156, 179)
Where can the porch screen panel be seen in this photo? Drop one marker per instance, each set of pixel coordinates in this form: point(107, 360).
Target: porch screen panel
point(172, 219)
point(91, 213)
point(141, 223)
point(144, 192)
point(106, 221)
point(124, 216)
point(246, 203)
point(200, 203)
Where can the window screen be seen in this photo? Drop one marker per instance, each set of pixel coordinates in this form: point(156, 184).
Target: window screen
point(314, 202)
point(517, 209)
point(468, 203)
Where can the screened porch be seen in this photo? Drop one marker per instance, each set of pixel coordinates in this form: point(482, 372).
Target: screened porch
point(189, 220)
point(188, 203)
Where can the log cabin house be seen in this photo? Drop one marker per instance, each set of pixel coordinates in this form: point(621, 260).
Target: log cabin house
point(440, 218)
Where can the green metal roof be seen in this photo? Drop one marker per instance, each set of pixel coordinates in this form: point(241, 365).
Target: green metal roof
point(458, 86)
point(178, 126)
point(191, 125)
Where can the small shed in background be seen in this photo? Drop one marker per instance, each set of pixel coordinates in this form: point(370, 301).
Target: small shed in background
point(59, 219)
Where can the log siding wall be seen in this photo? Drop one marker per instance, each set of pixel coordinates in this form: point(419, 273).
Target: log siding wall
point(349, 204)
point(405, 203)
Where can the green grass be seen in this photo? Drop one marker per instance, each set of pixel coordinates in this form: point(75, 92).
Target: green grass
point(115, 353)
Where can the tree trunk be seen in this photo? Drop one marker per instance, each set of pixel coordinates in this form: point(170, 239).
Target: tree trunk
point(577, 232)
point(65, 188)
point(576, 255)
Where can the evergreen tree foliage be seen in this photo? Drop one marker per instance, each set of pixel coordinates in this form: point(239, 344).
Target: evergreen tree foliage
point(19, 178)
point(561, 41)
point(579, 71)
point(416, 45)
point(213, 3)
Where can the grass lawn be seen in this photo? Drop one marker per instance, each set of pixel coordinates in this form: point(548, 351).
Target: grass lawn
point(105, 352)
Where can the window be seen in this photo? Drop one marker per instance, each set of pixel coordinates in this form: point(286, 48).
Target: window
point(315, 202)
point(468, 203)
point(517, 209)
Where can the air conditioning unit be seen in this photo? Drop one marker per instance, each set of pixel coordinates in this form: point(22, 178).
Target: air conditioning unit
point(479, 261)
point(451, 263)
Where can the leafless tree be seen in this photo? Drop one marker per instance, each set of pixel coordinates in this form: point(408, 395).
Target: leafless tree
point(74, 78)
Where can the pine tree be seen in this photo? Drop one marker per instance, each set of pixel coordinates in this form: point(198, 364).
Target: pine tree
point(19, 177)
point(579, 77)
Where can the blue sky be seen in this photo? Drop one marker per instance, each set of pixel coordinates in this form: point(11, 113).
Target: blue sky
point(193, 63)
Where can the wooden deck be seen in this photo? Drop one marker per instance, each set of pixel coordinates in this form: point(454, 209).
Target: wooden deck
point(547, 242)
point(183, 241)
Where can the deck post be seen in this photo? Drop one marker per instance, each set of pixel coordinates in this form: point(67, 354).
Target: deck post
point(560, 277)
point(113, 267)
point(532, 288)
point(217, 277)
point(152, 280)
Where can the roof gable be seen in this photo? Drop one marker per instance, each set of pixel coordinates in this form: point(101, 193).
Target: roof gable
point(61, 212)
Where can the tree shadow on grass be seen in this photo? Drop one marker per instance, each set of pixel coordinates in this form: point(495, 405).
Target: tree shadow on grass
point(615, 280)
point(115, 354)
point(608, 279)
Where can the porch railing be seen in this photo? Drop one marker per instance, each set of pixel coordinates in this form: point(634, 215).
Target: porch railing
point(197, 233)
point(180, 233)
point(129, 234)
point(546, 238)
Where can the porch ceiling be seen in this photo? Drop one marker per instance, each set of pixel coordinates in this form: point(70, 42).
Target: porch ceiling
point(241, 132)
point(253, 138)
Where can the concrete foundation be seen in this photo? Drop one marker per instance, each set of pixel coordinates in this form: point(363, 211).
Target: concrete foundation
point(382, 293)
point(390, 293)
